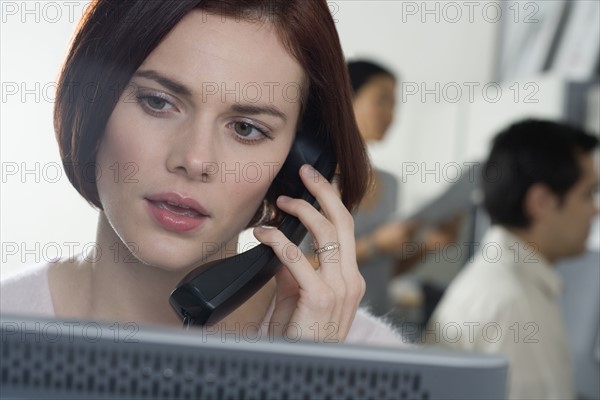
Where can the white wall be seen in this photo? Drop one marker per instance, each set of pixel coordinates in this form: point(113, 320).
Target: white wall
point(40, 211)
point(431, 45)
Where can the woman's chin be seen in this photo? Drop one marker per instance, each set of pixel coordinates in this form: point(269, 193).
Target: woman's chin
point(375, 136)
point(170, 262)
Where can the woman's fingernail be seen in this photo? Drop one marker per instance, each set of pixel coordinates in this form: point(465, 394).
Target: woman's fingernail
point(283, 199)
point(262, 228)
point(309, 171)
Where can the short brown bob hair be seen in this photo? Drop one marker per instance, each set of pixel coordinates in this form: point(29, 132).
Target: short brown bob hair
point(115, 37)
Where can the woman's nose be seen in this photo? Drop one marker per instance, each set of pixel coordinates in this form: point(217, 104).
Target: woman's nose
point(194, 153)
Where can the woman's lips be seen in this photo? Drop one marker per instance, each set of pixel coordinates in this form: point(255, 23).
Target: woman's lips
point(176, 213)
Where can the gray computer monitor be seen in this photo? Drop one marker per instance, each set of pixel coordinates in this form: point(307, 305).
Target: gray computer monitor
point(46, 358)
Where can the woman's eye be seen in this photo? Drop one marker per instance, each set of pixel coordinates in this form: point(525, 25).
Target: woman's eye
point(243, 128)
point(249, 132)
point(155, 103)
point(384, 100)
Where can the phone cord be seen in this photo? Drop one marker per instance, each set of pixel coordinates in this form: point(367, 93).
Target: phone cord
point(187, 321)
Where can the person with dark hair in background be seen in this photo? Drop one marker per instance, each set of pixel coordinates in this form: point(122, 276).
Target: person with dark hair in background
point(380, 244)
point(539, 184)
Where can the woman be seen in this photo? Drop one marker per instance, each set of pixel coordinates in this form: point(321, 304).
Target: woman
point(168, 102)
point(384, 249)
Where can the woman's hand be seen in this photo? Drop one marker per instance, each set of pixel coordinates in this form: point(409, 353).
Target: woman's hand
point(319, 304)
point(444, 234)
point(392, 237)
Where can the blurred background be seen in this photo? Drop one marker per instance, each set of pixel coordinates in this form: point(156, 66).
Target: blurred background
point(466, 70)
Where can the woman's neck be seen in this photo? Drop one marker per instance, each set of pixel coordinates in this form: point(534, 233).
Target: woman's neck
point(114, 286)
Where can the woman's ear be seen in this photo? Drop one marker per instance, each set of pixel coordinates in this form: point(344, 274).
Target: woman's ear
point(539, 201)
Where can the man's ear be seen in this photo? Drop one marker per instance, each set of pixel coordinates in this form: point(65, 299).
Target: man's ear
point(539, 200)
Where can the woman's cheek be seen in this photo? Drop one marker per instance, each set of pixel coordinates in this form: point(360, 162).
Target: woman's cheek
point(253, 186)
point(251, 193)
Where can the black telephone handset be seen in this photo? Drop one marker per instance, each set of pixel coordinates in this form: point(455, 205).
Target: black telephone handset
point(212, 291)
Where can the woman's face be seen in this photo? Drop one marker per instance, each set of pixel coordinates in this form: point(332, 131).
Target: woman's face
point(195, 141)
point(374, 106)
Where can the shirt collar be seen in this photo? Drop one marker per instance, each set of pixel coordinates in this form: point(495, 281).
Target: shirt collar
point(528, 262)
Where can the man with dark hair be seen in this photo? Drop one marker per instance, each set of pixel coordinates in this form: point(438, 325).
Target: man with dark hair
point(539, 184)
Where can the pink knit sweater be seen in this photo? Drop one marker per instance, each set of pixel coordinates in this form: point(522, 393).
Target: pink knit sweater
point(28, 292)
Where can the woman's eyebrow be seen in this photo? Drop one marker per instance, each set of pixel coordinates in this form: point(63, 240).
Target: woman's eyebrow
point(171, 84)
point(255, 109)
point(182, 90)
